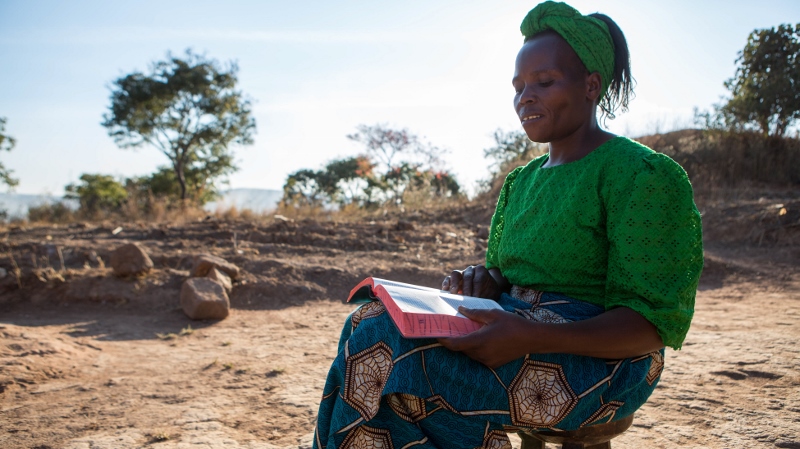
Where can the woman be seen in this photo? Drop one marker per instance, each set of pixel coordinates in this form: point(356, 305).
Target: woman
point(594, 253)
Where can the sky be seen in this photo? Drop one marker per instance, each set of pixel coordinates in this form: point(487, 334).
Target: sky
point(316, 69)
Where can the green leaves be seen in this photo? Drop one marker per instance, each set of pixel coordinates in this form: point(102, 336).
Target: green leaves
point(512, 146)
point(765, 92)
point(187, 108)
point(97, 193)
point(6, 144)
point(396, 164)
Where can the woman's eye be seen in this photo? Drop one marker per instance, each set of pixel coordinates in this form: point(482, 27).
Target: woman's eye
point(546, 83)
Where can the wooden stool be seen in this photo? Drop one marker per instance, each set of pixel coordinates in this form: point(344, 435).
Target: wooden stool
point(597, 436)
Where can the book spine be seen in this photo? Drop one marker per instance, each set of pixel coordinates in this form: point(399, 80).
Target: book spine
point(365, 283)
point(397, 315)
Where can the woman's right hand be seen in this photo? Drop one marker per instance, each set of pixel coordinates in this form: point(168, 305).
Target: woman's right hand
point(476, 280)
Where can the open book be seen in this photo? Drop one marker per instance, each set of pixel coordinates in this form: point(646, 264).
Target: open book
point(421, 312)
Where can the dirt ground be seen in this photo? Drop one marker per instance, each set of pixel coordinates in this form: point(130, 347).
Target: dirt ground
point(91, 361)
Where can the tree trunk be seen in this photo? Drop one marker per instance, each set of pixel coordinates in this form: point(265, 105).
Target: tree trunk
point(181, 180)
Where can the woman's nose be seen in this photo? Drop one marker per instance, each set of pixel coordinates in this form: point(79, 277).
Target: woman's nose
point(528, 96)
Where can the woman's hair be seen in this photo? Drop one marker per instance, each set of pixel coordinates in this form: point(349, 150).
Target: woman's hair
point(620, 90)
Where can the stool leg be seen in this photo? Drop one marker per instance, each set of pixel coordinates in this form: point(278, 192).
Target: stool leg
point(529, 442)
point(606, 445)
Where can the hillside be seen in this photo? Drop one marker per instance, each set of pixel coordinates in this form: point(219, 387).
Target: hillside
point(89, 360)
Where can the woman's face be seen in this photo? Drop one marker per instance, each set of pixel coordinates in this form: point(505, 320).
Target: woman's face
point(553, 98)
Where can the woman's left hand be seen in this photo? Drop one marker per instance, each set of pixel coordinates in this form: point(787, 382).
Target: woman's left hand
point(498, 342)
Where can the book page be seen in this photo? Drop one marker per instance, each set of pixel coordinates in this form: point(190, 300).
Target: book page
point(384, 282)
point(469, 302)
point(433, 301)
point(419, 301)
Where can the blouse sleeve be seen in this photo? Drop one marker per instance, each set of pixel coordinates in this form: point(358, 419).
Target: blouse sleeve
point(655, 248)
point(498, 220)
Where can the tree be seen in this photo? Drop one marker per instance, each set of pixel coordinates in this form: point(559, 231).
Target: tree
point(303, 189)
point(396, 162)
point(341, 181)
point(6, 144)
point(164, 184)
point(190, 110)
point(399, 154)
point(390, 147)
point(96, 193)
point(765, 92)
point(510, 146)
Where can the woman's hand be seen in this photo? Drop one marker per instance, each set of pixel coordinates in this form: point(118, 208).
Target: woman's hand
point(476, 280)
point(497, 342)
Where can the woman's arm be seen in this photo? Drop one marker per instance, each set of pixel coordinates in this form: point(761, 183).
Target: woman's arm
point(616, 334)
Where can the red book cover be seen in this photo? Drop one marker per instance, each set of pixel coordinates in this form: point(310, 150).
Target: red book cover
point(421, 312)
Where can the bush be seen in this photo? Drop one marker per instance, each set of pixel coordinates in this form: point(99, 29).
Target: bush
point(51, 213)
point(718, 159)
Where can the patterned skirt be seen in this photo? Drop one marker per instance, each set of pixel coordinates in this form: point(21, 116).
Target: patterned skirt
point(386, 391)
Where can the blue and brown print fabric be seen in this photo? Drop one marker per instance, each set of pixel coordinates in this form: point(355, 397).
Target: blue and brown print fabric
point(386, 391)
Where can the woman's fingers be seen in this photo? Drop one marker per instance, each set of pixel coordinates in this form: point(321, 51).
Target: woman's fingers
point(468, 275)
point(475, 280)
point(453, 282)
point(481, 316)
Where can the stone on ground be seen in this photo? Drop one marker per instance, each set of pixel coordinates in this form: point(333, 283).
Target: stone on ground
point(130, 259)
point(204, 262)
point(220, 278)
point(202, 299)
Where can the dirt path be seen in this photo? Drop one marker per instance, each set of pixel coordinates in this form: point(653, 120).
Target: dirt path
point(88, 361)
point(91, 377)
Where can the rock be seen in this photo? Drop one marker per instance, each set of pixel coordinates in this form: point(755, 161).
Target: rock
point(482, 233)
point(306, 441)
point(202, 298)
point(130, 259)
point(92, 257)
point(220, 278)
point(404, 225)
point(204, 262)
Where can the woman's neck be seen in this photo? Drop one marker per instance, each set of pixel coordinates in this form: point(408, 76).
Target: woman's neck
point(577, 145)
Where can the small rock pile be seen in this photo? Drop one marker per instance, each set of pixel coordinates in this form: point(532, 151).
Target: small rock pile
point(205, 294)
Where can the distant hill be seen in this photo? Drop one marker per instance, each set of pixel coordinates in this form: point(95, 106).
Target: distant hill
point(257, 200)
point(17, 204)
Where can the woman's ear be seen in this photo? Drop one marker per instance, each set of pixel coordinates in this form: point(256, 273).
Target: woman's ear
point(593, 86)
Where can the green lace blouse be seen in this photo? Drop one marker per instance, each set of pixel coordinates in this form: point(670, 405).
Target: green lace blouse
point(618, 227)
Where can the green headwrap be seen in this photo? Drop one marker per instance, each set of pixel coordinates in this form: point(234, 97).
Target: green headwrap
point(589, 37)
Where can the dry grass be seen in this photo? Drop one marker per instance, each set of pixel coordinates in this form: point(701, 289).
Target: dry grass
point(722, 162)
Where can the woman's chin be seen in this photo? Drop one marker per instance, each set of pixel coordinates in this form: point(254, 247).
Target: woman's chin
point(536, 134)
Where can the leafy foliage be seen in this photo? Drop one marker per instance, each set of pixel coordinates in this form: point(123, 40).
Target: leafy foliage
point(511, 146)
point(389, 147)
point(96, 193)
point(6, 144)
point(341, 181)
point(57, 212)
point(164, 184)
point(190, 110)
point(395, 162)
point(765, 92)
